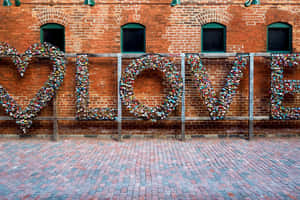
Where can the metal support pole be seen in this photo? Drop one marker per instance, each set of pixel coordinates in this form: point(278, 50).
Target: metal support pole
point(183, 97)
point(55, 122)
point(119, 119)
point(251, 89)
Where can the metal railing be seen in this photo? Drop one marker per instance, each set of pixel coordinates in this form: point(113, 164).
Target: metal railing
point(183, 117)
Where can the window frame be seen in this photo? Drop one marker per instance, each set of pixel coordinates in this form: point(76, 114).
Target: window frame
point(133, 26)
point(214, 25)
point(281, 25)
point(52, 26)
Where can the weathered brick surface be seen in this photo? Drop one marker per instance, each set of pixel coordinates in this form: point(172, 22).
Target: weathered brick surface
point(168, 30)
point(150, 169)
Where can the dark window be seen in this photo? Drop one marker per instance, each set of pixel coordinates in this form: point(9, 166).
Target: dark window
point(133, 38)
point(213, 38)
point(279, 37)
point(53, 34)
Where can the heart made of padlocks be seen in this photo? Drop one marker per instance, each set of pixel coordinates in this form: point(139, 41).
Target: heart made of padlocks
point(45, 94)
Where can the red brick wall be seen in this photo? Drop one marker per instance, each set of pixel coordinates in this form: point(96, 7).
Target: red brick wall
point(168, 30)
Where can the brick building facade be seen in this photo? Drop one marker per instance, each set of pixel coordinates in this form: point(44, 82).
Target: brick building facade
point(168, 29)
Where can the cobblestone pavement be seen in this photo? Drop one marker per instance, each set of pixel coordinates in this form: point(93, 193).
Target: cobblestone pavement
point(150, 169)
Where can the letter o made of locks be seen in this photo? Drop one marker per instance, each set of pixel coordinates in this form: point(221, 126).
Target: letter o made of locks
point(171, 75)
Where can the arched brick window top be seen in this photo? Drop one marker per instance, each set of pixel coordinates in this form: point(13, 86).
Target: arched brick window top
point(279, 37)
point(213, 37)
point(133, 38)
point(54, 34)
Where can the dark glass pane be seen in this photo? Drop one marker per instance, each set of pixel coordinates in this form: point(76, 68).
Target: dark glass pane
point(279, 39)
point(133, 40)
point(55, 37)
point(213, 39)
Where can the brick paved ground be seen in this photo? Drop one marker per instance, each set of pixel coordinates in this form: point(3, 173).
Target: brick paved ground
point(150, 169)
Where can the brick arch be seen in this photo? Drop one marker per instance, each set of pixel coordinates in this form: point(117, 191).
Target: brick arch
point(139, 23)
point(213, 15)
point(283, 22)
point(277, 15)
point(52, 15)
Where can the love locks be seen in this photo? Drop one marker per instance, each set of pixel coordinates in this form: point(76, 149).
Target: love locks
point(45, 94)
point(280, 87)
point(217, 106)
point(82, 95)
point(172, 77)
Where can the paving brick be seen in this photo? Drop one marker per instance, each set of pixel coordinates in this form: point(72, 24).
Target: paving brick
point(264, 168)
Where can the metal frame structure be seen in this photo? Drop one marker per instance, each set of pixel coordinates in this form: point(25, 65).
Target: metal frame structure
point(182, 118)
